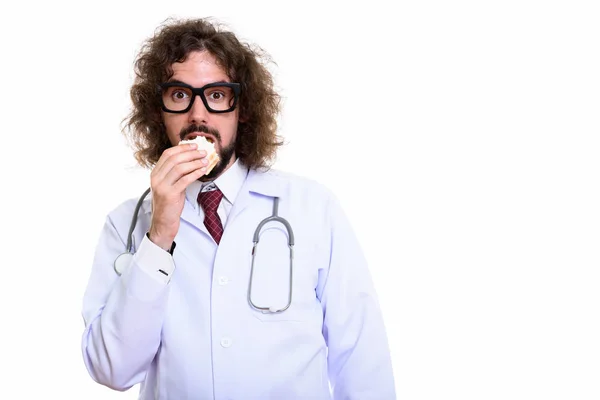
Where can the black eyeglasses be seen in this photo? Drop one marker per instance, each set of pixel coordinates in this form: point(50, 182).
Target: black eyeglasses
point(219, 97)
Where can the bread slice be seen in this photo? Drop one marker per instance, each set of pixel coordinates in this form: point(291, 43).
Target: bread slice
point(211, 152)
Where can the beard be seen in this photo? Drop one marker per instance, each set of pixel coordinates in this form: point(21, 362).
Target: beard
point(225, 153)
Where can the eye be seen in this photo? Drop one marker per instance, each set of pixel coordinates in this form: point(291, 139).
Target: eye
point(179, 94)
point(216, 96)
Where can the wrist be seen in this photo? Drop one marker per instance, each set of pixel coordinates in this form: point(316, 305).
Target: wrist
point(165, 243)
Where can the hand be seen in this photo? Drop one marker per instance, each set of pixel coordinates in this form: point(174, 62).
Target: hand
point(176, 169)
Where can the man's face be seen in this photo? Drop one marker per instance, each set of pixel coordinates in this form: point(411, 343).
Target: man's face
point(199, 69)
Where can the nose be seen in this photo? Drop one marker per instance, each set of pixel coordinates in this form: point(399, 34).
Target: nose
point(198, 114)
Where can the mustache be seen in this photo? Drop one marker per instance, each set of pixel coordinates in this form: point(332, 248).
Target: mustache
point(200, 129)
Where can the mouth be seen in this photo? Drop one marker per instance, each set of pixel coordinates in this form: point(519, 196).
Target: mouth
point(194, 135)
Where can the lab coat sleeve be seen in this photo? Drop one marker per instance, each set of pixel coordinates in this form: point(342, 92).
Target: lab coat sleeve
point(123, 315)
point(359, 362)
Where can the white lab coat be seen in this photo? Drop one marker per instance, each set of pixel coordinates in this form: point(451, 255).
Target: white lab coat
point(197, 336)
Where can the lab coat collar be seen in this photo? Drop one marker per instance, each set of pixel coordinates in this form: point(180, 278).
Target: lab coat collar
point(232, 180)
point(261, 183)
point(266, 183)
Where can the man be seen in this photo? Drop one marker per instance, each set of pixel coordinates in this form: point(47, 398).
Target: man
point(198, 312)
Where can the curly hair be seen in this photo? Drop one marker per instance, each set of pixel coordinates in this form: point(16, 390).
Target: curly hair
point(259, 104)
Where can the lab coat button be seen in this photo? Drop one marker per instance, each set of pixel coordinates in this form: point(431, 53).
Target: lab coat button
point(223, 280)
point(226, 342)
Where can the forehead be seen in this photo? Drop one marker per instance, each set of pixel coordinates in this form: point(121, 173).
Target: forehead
point(199, 69)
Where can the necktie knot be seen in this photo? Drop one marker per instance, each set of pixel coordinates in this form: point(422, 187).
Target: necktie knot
point(209, 201)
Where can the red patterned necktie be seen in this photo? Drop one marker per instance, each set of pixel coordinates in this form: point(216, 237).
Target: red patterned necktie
point(210, 202)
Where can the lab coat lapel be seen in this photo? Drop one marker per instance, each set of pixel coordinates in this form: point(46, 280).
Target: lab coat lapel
point(190, 215)
point(257, 183)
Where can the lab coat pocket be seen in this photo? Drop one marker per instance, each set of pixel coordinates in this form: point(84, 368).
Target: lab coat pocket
point(271, 283)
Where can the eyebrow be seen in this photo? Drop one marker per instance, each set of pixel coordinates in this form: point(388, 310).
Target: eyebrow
point(187, 84)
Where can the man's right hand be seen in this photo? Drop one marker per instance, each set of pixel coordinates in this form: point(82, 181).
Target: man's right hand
point(176, 169)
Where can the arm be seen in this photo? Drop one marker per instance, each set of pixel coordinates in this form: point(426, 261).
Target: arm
point(123, 315)
point(359, 357)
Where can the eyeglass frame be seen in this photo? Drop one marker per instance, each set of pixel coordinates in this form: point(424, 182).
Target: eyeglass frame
point(237, 89)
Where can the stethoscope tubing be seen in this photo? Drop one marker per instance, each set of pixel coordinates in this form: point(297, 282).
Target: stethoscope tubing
point(288, 227)
point(125, 258)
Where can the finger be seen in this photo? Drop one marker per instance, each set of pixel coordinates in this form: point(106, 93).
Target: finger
point(182, 169)
point(186, 180)
point(173, 159)
point(174, 151)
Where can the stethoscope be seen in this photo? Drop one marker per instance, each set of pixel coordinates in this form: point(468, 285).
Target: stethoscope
point(123, 260)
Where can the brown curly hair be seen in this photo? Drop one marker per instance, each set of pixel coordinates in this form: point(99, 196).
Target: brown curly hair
point(259, 104)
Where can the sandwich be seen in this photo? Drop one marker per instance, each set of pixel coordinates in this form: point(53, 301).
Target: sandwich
point(209, 147)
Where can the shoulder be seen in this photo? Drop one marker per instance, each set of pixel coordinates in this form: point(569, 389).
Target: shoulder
point(123, 212)
point(295, 184)
point(295, 180)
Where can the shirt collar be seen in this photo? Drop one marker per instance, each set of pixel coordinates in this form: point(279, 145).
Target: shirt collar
point(229, 182)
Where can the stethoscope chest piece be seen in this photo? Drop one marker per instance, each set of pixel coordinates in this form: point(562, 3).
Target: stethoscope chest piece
point(123, 262)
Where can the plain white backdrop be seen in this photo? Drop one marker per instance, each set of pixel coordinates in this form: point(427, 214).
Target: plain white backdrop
point(475, 126)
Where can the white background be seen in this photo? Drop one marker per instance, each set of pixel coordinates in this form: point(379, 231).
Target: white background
point(474, 123)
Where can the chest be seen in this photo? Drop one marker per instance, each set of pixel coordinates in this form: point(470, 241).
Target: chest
point(249, 280)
